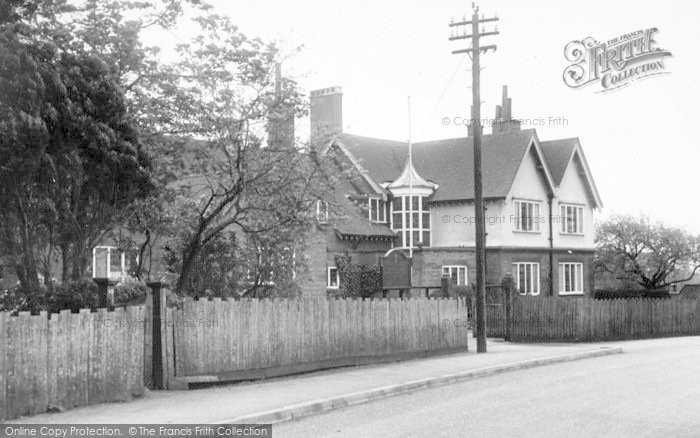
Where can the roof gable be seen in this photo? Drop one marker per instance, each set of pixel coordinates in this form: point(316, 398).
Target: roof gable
point(532, 171)
point(559, 155)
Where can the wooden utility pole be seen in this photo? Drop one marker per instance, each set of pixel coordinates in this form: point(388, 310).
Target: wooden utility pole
point(474, 51)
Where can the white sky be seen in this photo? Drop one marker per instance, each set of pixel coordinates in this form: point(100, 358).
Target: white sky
point(639, 140)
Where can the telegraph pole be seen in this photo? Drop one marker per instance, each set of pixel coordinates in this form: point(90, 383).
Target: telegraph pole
point(474, 52)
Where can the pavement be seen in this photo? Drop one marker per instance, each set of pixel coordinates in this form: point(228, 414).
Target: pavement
point(285, 398)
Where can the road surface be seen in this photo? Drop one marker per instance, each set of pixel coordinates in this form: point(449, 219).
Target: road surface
point(652, 389)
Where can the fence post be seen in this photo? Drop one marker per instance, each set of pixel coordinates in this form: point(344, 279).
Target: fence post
point(106, 289)
point(446, 286)
point(508, 285)
point(158, 319)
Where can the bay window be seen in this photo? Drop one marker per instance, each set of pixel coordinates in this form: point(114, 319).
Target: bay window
point(410, 218)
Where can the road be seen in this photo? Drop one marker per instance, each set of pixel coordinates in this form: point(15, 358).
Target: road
point(653, 389)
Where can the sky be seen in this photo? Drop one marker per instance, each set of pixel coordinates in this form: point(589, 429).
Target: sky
point(638, 140)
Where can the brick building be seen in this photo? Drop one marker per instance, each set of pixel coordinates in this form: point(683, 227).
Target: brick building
point(539, 196)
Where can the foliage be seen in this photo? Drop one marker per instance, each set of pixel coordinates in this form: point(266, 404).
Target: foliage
point(358, 280)
point(72, 159)
point(627, 294)
point(81, 294)
point(218, 98)
point(130, 291)
point(652, 255)
point(86, 101)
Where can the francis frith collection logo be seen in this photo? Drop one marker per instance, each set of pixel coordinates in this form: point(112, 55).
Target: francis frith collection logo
point(614, 63)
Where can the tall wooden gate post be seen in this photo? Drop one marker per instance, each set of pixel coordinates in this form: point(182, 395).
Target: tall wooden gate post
point(508, 284)
point(158, 320)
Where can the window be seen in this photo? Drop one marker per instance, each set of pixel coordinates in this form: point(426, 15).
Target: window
point(572, 219)
point(457, 273)
point(526, 216)
point(377, 210)
point(410, 218)
point(109, 262)
point(322, 211)
point(333, 278)
point(527, 278)
point(570, 278)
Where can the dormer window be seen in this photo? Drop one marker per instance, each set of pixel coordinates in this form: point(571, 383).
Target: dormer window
point(322, 211)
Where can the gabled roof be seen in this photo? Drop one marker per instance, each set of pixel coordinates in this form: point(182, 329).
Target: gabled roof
point(448, 163)
point(559, 155)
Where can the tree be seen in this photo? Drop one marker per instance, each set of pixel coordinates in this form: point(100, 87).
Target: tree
point(71, 156)
point(218, 98)
point(652, 255)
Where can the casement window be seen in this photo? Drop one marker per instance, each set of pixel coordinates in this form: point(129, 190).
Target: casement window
point(322, 211)
point(377, 210)
point(527, 278)
point(571, 219)
point(457, 273)
point(526, 215)
point(333, 278)
point(410, 218)
point(109, 262)
point(570, 278)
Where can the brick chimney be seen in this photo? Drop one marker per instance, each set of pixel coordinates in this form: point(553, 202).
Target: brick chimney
point(504, 121)
point(280, 126)
point(326, 113)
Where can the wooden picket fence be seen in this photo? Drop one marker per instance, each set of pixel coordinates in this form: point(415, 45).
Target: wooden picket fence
point(70, 359)
point(586, 319)
point(233, 340)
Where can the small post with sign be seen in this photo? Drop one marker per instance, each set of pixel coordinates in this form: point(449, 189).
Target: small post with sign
point(396, 272)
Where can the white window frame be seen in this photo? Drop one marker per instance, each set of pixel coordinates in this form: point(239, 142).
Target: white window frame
point(380, 206)
point(322, 211)
point(109, 249)
point(576, 269)
point(448, 269)
point(328, 277)
point(518, 223)
point(565, 210)
point(405, 233)
point(534, 277)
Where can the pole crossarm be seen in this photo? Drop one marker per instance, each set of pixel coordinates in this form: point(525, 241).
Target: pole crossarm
point(464, 23)
point(464, 37)
point(482, 49)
